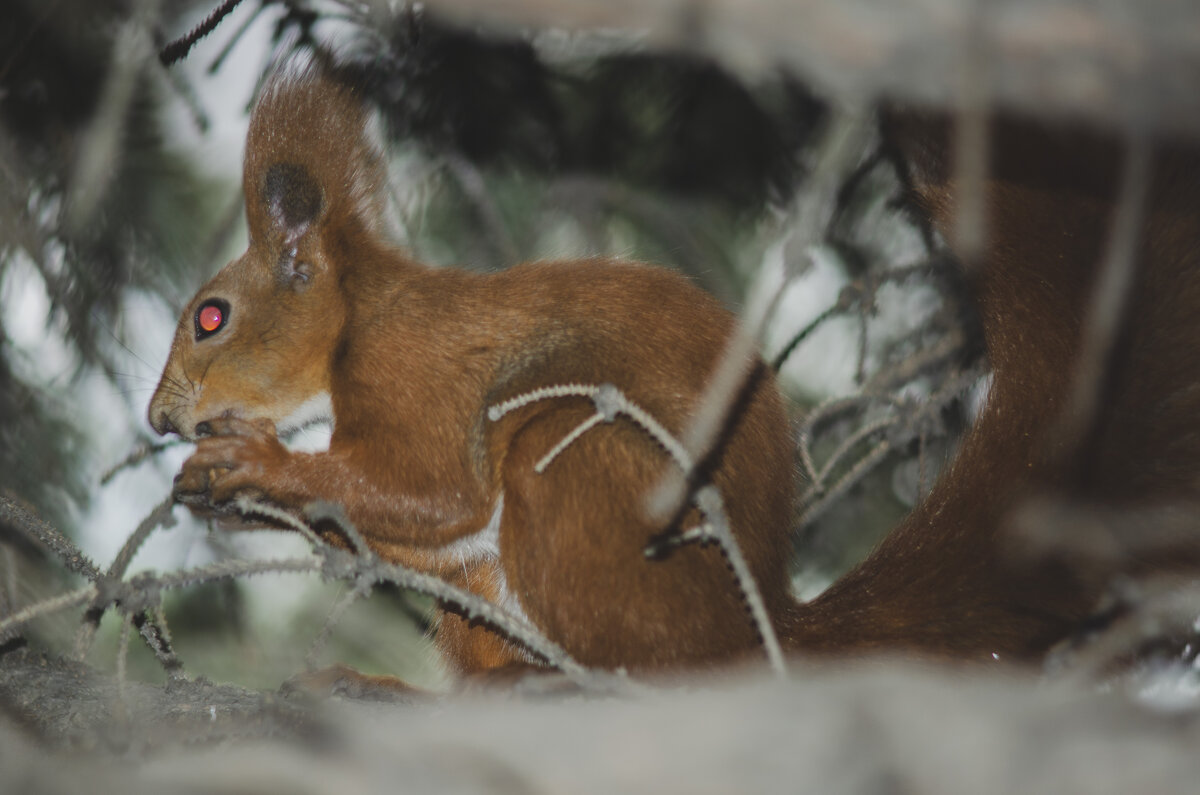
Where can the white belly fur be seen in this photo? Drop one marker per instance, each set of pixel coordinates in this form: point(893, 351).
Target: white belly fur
point(484, 546)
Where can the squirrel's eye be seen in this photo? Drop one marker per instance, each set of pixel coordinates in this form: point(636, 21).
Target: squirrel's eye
point(210, 318)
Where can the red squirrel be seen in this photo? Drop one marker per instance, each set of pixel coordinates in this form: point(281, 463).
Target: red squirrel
point(323, 316)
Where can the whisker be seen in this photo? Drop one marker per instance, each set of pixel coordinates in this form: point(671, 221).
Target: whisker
point(121, 342)
point(139, 453)
point(133, 376)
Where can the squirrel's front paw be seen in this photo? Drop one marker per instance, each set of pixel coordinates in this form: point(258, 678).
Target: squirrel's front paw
point(236, 458)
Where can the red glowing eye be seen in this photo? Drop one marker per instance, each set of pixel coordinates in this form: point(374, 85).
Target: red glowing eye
point(210, 318)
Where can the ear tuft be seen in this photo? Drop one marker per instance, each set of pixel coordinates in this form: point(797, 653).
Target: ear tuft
point(293, 198)
point(310, 155)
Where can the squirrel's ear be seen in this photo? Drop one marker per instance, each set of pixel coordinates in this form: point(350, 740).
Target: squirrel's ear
point(293, 200)
point(311, 157)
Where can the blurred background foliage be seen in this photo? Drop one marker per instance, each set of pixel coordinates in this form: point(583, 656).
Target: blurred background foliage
point(505, 147)
point(141, 232)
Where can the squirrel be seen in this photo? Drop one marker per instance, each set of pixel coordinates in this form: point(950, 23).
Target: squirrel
point(323, 316)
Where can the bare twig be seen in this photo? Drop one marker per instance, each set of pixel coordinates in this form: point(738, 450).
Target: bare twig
point(822, 413)
point(708, 500)
point(1106, 309)
point(947, 348)
point(46, 606)
point(566, 441)
point(567, 390)
point(780, 358)
point(157, 636)
point(475, 608)
point(849, 443)
point(178, 49)
point(317, 512)
point(142, 592)
point(971, 135)
point(365, 569)
point(251, 507)
point(840, 148)
point(102, 585)
point(610, 401)
point(227, 48)
point(361, 590)
point(221, 570)
point(122, 661)
point(20, 518)
point(908, 421)
point(136, 456)
point(159, 516)
point(866, 307)
point(862, 467)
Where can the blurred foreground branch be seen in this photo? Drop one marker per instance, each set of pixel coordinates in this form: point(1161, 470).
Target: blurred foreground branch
point(1105, 62)
point(857, 729)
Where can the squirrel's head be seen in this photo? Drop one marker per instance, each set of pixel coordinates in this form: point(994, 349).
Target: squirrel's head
point(258, 340)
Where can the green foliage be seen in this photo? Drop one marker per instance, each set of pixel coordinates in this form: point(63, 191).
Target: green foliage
point(153, 214)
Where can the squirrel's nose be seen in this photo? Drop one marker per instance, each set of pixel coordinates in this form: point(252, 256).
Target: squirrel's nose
point(161, 422)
